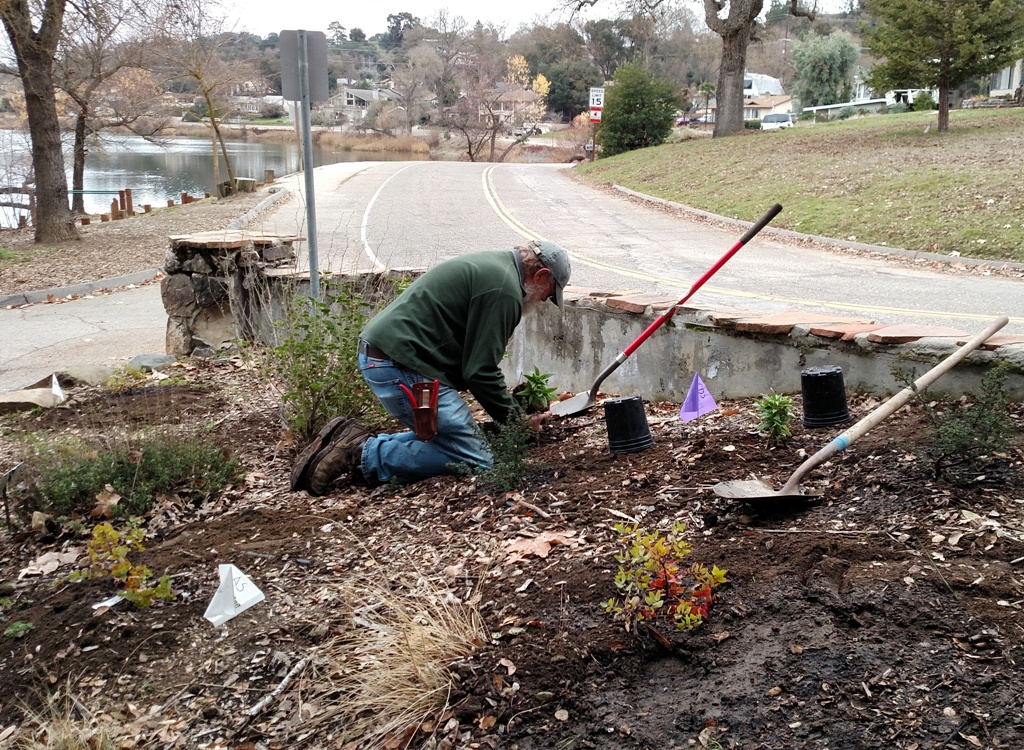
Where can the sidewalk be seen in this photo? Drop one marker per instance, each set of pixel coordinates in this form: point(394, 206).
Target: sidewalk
point(107, 329)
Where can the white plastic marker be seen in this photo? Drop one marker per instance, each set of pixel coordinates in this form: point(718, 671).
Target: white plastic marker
point(235, 594)
point(58, 392)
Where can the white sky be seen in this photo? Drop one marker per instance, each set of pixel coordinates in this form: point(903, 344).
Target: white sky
point(265, 16)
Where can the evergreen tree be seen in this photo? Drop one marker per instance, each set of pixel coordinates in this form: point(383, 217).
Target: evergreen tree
point(571, 82)
point(823, 66)
point(639, 110)
point(942, 43)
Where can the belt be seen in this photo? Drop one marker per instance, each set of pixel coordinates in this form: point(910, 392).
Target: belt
point(368, 349)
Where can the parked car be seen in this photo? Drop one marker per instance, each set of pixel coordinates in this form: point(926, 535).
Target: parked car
point(777, 121)
point(526, 130)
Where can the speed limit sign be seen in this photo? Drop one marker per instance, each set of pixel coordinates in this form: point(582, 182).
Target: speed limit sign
point(596, 103)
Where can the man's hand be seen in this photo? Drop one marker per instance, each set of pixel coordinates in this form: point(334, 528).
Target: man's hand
point(537, 420)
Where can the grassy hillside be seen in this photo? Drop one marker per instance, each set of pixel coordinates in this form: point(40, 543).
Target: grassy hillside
point(883, 179)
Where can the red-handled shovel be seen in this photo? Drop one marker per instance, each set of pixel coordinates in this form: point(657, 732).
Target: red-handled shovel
point(583, 401)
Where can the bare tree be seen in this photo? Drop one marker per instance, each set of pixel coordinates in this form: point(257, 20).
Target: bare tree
point(735, 21)
point(101, 67)
point(485, 108)
point(413, 74)
point(193, 38)
point(34, 31)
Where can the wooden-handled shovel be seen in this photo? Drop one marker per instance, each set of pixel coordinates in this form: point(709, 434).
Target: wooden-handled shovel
point(755, 489)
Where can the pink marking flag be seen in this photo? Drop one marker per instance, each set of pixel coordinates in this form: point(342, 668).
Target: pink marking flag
point(698, 400)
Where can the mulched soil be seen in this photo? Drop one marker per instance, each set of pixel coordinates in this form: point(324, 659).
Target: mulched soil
point(883, 612)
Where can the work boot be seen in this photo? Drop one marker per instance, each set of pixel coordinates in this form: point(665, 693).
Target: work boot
point(342, 456)
point(300, 472)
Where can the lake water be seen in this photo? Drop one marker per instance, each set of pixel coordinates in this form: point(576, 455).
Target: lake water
point(156, 172)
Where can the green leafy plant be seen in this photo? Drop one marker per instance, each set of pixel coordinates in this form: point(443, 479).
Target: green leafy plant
point(775, 412)
point(509, 443)
point(314, 362)
point(108, 554)
point(965, 433)
point(654, 579)
point(6, 254)
point(924, 101)
point(534, 394)
point(18, 629)
point(71, 473)
point(125, 378)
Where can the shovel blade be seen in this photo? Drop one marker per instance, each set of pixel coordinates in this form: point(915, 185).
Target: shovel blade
point(752, 489)
point(571, 406)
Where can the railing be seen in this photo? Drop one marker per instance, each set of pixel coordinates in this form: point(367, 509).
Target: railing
point(30, 206)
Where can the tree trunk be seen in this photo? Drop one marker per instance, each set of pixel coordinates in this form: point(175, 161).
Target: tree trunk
point(943, 107)
point(78, 167)
point(735, 32)
point(220, 139)
point(34, 52)
point(729, 94)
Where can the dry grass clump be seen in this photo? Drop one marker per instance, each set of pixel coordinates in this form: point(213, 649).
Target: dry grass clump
point(65, 725)
point(387, 672)
point(371, 143)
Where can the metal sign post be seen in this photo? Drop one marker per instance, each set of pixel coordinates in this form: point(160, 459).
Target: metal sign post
point(596, 107)
point(304, 80)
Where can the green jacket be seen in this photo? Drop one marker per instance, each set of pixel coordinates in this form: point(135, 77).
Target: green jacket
point(454, 322)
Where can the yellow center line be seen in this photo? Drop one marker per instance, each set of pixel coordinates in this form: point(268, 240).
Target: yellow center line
point(491, 194)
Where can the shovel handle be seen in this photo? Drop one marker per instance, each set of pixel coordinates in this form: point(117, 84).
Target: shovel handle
point(760, 224)
point(890, 407)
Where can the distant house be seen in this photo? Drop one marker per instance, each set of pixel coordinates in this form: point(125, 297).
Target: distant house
point(754, 108)
point(1006, 81)
point(513, 106)
point(348, 106)
point(253, 105)
point(757, 85)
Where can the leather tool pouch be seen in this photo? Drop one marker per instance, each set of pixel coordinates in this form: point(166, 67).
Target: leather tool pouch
point(423, 399)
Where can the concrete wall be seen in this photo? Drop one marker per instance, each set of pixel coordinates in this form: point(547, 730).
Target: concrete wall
point(577, 346)
point(738, 354)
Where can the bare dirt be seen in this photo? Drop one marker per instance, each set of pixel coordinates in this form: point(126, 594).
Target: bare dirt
point(885, 612)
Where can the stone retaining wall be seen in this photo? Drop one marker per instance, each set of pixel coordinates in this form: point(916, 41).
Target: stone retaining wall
point(213, 288)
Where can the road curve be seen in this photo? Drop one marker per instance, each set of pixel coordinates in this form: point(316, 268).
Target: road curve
point(414, 214)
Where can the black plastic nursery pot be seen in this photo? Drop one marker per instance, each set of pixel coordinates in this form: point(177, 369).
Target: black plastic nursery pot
point(628, 431)
point(824, 396)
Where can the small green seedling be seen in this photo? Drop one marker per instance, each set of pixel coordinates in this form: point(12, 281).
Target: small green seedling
point(18, 629)
point(775, 412)
point(535, 394)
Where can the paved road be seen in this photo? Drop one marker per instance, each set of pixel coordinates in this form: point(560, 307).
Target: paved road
point(415, 214)
point(373, 214)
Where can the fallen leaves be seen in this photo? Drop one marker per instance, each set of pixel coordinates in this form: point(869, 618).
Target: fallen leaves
point(50, 562)
point(537, 546)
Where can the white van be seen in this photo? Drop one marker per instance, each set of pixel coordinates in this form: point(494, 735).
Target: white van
point(776, 121)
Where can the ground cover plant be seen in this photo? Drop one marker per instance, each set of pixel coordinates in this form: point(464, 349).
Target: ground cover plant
point(883, 179)
point(885, 612)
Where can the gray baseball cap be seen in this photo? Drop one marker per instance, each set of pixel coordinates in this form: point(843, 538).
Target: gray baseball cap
point(555, 259)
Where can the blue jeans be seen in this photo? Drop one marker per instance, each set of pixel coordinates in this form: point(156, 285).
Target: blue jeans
point(400, 456)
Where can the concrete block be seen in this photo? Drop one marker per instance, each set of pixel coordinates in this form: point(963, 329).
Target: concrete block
point(844, 332)
point(783, 322)
point(902, 334)
point(638, 303)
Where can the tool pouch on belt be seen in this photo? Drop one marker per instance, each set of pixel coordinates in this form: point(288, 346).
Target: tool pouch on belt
point(423, 399)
